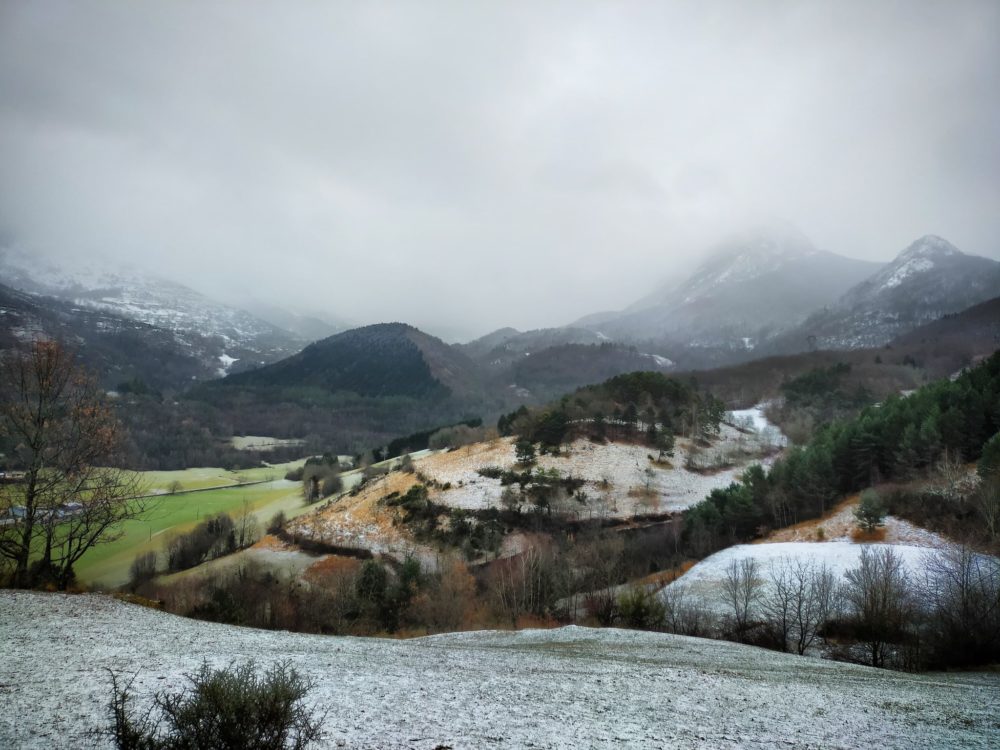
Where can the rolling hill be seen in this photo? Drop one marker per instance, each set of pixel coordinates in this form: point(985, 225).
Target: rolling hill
point(569, 687)
point(382, 360)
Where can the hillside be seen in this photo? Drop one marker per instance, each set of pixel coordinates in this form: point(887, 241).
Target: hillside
point(117, 348)
point(927, 280)
point(387, 359)
point(565, 688)
point(227, 338)
point(974, 331)
point(748, 289)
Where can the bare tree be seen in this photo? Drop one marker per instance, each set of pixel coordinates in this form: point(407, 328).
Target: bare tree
point(246, 529)
point(800, 598)
point(878, 594)
point(62, 434)
point(682, 613)
point(525, 584)
point(742, 586)
point(961, 594)
point(779, 602)
point(986, 500)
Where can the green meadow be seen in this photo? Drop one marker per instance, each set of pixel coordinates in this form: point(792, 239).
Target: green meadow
point(172, 514)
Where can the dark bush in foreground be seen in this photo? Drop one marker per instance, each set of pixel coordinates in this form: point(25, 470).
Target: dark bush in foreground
point(235, 708)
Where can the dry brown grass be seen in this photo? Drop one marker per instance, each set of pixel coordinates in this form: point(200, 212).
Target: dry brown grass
point(875, 535)
point(331, 567)
point(836, 522)
point(663, 577)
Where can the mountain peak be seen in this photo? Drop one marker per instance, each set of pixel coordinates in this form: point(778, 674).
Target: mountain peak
point(919, 257)
point(929, 246)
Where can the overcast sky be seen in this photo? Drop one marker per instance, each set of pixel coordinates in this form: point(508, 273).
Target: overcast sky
point(467, 165)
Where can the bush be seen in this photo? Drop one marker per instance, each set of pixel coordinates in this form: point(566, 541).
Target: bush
point(234, 708)
point(277, 523)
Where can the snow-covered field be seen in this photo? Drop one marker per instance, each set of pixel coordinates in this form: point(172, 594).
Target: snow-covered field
point(566, 688)
point(704, 580)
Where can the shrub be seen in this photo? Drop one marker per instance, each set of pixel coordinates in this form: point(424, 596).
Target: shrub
point(226, 709)
point(639, 608)
point(277, 523)
point(211, 538)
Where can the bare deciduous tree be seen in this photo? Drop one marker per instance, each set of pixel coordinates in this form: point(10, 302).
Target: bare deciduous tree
point(743, 587)
point(61, 433)
point(879, 596)
point(961, 596)
point(800, 598)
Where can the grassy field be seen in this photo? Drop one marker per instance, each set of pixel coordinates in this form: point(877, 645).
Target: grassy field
point(205, 477)
point(108, 564)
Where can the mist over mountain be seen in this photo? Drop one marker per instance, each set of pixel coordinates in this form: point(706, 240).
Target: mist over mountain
point(748, 290)
point(927, 280)
point(224, 338)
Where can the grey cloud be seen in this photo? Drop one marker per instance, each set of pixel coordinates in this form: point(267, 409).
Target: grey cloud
point(466, 165)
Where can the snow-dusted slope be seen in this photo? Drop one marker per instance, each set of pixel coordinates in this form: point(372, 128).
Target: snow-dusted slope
point(566, 688)
point(132, 293)
point(929, 279)
point(705, 580)
point(764, 281)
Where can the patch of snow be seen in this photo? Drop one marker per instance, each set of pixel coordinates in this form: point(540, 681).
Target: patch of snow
point(614, 473)
point(660, 361)
point(704, 581)
point(905, 270)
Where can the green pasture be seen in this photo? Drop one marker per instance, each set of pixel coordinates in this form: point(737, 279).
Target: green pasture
point(206, 477)
point(108, 564)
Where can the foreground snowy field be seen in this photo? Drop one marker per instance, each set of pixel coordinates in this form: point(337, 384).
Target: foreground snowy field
point(566, 688)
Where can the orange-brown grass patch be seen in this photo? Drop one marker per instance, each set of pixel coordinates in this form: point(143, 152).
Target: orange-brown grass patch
point(331, 567)
point(876, 535)
point(836, 522)
point(271, 542)
point(663, 577)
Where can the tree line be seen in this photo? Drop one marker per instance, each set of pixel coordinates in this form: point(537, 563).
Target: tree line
point(901, 438)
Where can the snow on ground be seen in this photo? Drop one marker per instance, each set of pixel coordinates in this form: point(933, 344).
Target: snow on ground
point(361, 522)
point(566, 688)
point(704, 580)
point(754, 418)
point(262, 442)
point(839, 524)
point(615, 473)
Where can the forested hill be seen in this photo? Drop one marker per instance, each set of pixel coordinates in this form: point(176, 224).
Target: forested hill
point(623, 406)
point(388, 359)
point(900, 439)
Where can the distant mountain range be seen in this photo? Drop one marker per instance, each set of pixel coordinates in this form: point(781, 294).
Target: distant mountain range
point(119, 349)
point(929, 279)
point(765, 293)
point(219, 338)
point(775, 293)
point(748, 290)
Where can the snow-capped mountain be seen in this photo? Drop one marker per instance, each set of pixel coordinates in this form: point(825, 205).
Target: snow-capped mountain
point(927, 280)
point(120, 350)
point(750, 288)
point(230, 338)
